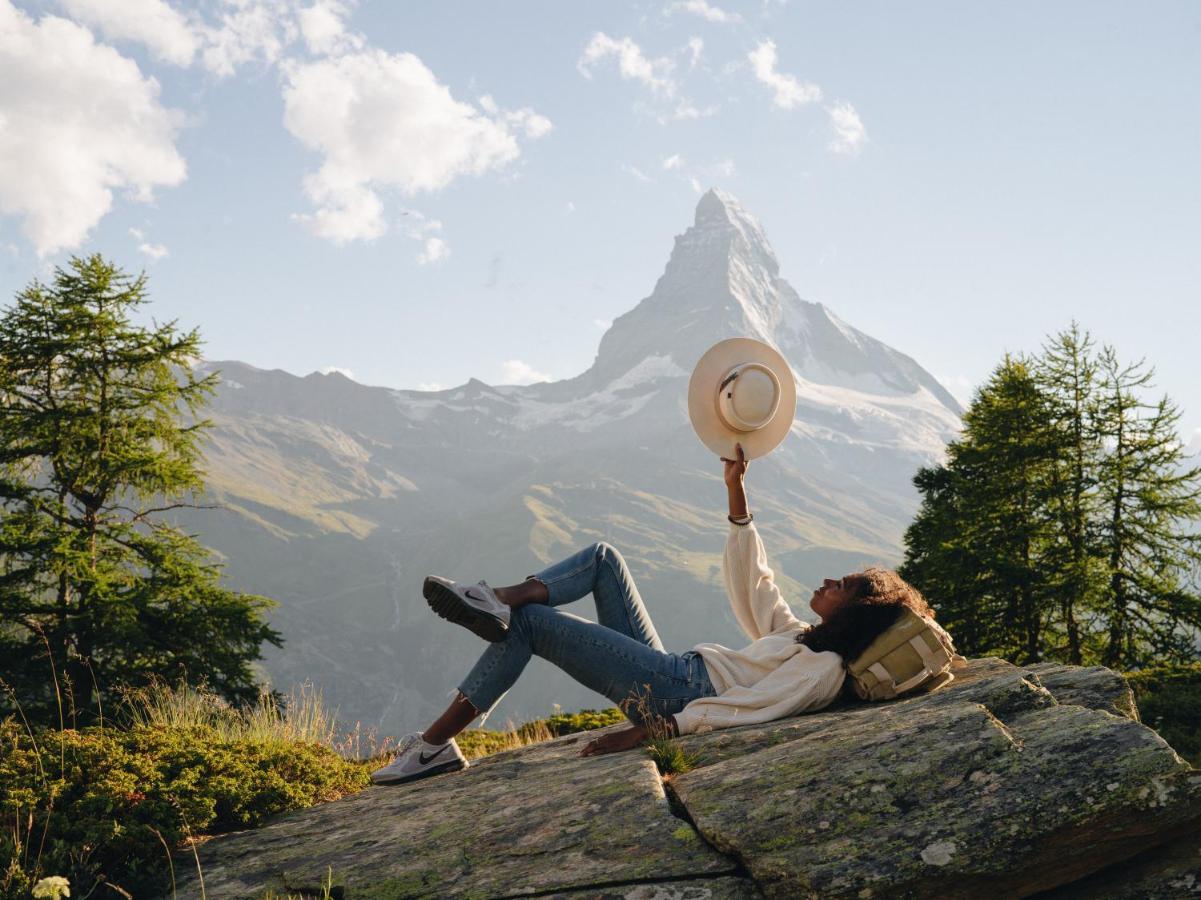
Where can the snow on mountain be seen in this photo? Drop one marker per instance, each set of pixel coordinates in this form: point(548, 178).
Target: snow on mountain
point(721, 281)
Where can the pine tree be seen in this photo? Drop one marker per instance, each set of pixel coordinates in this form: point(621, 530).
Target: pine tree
point(1149, 498)
point(940, 560)
point(97, 590)
point(976, 546)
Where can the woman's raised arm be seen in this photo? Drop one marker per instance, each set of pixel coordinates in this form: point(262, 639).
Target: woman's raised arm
point(735, 473)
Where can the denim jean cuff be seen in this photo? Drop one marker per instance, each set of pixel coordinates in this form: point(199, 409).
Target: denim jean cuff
point(549, 585)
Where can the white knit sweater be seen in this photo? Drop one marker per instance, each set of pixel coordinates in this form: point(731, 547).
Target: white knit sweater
point(772, 677)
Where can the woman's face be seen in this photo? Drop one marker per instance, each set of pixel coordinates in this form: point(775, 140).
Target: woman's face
point(831, 595)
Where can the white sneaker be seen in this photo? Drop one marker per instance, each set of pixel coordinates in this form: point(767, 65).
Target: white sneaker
point(417, 759)
point(473, 606)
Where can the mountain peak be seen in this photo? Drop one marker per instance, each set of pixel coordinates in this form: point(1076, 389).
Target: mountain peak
point(719, 205)
point(723, 229)
point(722, 281)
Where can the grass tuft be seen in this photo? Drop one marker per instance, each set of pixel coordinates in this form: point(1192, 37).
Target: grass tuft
point(662, 747)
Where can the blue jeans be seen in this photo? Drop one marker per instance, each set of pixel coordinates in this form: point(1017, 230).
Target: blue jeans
point(620, 656)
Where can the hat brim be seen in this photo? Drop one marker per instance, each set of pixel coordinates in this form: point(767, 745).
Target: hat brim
point(702, 398)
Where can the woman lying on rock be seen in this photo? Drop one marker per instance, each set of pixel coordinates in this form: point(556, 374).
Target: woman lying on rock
point(790, 667)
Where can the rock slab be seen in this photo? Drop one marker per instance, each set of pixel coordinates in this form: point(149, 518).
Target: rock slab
point(511, 828)
point(1009, 782)
point(990, 787)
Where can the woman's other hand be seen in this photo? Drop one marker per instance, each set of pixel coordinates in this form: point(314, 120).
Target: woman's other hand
point(615, 741)
point(735, 468)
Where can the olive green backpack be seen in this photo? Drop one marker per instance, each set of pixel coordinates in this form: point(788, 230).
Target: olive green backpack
point(914, 655)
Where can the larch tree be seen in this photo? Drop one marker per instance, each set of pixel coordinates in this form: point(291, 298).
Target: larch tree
point(982, 510)
point(1067, 373)
point(98, 591)
point(1150, 501)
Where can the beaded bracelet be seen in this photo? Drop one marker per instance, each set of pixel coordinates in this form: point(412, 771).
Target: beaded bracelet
point(745, 521)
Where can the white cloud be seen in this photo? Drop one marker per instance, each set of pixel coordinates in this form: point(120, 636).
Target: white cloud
point(696, 175)
point(636, 172)
point(163, 30)
point(603, 324)
point(658, 75)
point(524, 119)
point(705, 11)
point(323, 27)
point(383, 120)
point(237, 32)
point(435, 250)
point(78, 121)
point(568, 208)
point(849, 133)
point(345, 211)
point(632, 63)
point(248, 30)
point(326, 370)
point(684, 109)
point(787, 91)
point(534, 125)
point(154, 251)
point(430, 386)
point(514, 371)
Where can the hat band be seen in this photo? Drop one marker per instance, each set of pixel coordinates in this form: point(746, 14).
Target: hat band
point(748, 397)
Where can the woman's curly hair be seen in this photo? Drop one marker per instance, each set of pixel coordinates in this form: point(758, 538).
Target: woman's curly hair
point(875, 604)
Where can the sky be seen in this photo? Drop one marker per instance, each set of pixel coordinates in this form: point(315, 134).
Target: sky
point(419, 193)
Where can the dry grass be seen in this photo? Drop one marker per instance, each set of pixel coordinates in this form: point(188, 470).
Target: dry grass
point(483, 742)
point(301, 717)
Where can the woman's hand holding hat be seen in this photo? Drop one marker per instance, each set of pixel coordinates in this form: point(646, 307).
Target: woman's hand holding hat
point(735, 492)
point(735, 468)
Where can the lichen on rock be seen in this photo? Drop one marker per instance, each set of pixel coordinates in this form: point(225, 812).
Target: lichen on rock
point(1005, 783)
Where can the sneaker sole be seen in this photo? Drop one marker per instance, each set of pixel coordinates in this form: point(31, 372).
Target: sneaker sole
point(451, 607)
point(454, 766)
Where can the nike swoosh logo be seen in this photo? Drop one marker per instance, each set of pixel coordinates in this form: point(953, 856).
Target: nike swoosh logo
point(426, 759)
point(467, 591)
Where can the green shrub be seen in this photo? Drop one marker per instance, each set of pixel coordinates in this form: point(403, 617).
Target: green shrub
point(98, 805)
point(104, 804)
point(1169, 700)
point(584, 720)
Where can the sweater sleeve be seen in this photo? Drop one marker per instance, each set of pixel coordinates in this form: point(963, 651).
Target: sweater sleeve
point(750, 584)
point(807, 681)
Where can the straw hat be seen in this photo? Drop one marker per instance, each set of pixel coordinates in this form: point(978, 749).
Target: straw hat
point(741, 391)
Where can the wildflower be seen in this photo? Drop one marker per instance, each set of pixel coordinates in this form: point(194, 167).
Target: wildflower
point(52, 888)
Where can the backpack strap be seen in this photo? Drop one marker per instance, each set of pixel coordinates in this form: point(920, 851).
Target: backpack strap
point(935, 658)
point(882, 674)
